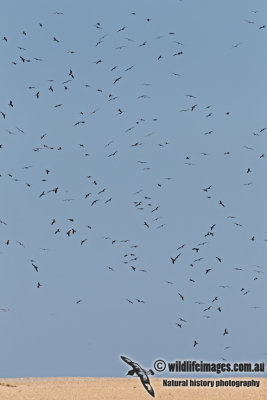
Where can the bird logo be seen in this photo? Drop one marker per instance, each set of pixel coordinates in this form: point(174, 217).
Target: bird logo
point(141, 373)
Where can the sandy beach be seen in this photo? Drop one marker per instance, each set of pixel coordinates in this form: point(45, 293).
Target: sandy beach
point(125, 388)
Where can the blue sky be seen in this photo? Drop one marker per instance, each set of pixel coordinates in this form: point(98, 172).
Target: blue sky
point(45, 332)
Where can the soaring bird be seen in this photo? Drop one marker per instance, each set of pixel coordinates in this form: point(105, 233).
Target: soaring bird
point(182, 297)
point(35, 267)
point(208, 270)
point(141, 373)
point(173, 259)
point(117, 79)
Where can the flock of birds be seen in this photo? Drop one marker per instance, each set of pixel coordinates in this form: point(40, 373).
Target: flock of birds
point(136, 134)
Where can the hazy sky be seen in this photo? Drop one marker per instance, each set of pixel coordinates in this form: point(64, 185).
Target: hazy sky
point(124, 70)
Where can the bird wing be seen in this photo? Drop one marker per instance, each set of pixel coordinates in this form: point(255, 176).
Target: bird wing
point(134, 365)
point(146, 383)
point(142, 375)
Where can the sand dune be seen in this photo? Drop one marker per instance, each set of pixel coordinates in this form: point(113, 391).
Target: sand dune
point(121, 389)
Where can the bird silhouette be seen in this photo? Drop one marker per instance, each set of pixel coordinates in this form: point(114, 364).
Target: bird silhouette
point(173, 259)
point(182, 297)
point(141, 373)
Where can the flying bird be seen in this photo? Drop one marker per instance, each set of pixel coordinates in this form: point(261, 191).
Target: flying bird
point(236, 45)
point(117, 80)
point(175, 258)
point(141, 373)
point(182, 297)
